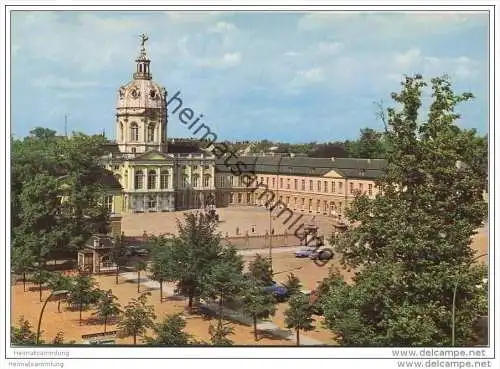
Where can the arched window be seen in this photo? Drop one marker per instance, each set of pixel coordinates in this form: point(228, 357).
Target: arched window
point(196, 180)
point(184, 180)
point(164, 179)
point(151, 133)
point(138, 180)
point(121, 131)
point(151, 179)
point(134, 132)
point(206, 180)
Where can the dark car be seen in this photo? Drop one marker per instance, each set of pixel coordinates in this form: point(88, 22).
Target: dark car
point(323, 255)
point(279, 291)
point(304, 251)
point(137, 251)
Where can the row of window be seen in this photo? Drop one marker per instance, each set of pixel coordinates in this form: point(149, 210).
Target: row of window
point(164, 180)
point(321, 186)
point(134, 132)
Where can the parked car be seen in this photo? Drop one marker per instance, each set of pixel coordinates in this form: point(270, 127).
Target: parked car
point(304, 251)
point(323, 255)
point(137, 251)
point(279, 291)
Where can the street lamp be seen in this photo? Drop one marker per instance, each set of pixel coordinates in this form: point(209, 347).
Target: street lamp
point(54, 293)
point(454, 301)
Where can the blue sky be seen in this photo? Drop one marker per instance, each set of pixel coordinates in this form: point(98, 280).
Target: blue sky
point(293, 77)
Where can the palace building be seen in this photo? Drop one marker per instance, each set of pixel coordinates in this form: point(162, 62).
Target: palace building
point(156, 176)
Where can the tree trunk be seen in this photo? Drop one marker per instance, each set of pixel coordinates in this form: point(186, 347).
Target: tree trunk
point(116, 275)
point(135, 338)
point(190, 301)
point(297, 333)
point(255, 327)
point(105, 321)
point(40, 292)
point(59, 304)
point(161, 291)
point(138, 281)
point(81, 308)
point(24, 281)
point(220, 309)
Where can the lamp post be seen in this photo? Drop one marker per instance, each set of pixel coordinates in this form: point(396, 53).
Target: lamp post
point(454, 301)
point(54, 293)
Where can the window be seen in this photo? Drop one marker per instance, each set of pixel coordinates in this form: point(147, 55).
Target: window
point(239, 197)
point(361, 187)
point(340, 187)
point(133, 150)
point(318, 186)
point(164, 179)
point(274, 182)
point(194, 167)
point(134, 132)
point(325, 206)
point(310, 185)
point(318, 206)
point(151, 202)
point(303, 188)
point(351, 188)
point(206, 180)
point(248, 198)
point(302, 203)
point(281, 182)
point(151, 179)
point(267, 181)
point(294, 202)
point(310, 204)
point(196, 181)
point(231, 180)
point(370, 189)
point(340, 208)
point(261, 180)
point(333, 187)
point(288, 183)
point(121, 131)
point(108, 203)
point(151, 133)
point(296, 184)
point(287, 200)
point(138, 180)
point(184, 182)
point(325, 186)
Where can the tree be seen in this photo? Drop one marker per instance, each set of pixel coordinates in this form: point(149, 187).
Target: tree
point(224, 278)
point(260, 269)
point(137, 317)
point(293, 285)
point(59, 338)
point(219, 332)
point(140, 266)
point(83, 293)
point(40, 277)
point(159, 263)
point(169, 332)
point(119, 256)
point(188, 257)
point(412, 245)
point(58, 282)
point(23, 262)
point(107, 307)
point(257, 303)
point(370, 145)
point(299, 315)
point(23, 334)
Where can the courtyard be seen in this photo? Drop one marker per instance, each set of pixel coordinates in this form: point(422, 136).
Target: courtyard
point(27, 303)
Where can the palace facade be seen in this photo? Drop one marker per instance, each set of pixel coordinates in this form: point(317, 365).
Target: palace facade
point(156, 176)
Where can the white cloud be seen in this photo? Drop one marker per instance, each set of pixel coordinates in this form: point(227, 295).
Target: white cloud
point(222, 27)
point(227, 60)
point(330, 47)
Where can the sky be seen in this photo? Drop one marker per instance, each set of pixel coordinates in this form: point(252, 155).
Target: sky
point(289, 76)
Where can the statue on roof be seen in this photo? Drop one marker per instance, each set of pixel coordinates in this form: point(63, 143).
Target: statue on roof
point(144, 38)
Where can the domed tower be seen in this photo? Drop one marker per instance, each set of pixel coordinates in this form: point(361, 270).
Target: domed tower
point(141, 113)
